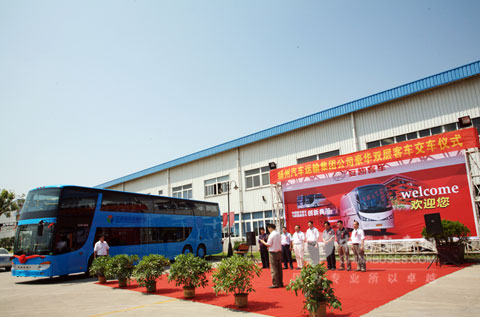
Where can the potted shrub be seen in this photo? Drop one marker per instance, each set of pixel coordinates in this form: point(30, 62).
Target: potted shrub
point(149, 269)
point(121, 267)
point(317, 289)
point(451, 243)
point(99, 268)
point(190, 272)
point(234, 275)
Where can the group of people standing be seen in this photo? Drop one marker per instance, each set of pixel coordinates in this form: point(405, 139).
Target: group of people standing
point(276, 247)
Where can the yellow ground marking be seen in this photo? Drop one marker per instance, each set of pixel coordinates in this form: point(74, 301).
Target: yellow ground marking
point(136, 307)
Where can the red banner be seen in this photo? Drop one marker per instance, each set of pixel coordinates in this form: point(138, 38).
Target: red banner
point(225, 219)
point(389, 203)
point(440, 143)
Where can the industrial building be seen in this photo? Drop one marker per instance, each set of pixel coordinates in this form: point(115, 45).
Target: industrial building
point(421, 108)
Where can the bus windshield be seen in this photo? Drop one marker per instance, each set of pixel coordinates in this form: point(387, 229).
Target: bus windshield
point(373, 199)
point(40, 200)
point(33, 239)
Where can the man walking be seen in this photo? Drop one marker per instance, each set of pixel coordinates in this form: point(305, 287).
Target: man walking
point(287, 248)
point(274, 244)
point(358, 238)
point(329, 241)
point(263, 249)
point(298, 241)
point(343, 251)
point(312, 236)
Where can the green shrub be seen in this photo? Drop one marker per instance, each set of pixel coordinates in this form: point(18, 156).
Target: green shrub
point(121, 266)
point(234, 275)
point(454, 233)
point(7, 243)
point(189, 271)
point(149, 269)
point(315, 286)
point(99, 266)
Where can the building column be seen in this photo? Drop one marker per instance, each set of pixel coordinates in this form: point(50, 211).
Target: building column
point(169, 187)
point(354, 133)
point(240, 194)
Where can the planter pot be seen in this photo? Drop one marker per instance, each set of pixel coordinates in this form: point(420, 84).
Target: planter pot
point(152, 286)
point(321, 311)
point(451, 254)
point(102, 279)
point(122, 282)
point(189, 292)
point(241, 300)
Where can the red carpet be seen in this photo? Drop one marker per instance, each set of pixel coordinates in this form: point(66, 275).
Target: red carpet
point(359, 292)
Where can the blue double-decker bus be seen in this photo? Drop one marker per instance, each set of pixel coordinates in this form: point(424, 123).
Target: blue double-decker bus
point(59, 226)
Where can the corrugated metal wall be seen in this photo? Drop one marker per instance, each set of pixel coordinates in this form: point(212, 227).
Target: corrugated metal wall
point(423, 110)
point(420, 111)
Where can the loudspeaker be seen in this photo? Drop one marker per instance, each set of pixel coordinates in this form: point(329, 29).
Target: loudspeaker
point(251, 238)
point(433, 223)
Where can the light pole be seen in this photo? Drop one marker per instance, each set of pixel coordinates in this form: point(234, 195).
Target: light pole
point(230, 250)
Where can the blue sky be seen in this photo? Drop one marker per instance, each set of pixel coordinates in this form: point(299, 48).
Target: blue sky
point(95, 90)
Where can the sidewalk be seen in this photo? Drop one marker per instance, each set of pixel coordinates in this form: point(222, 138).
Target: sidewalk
point(455, 294)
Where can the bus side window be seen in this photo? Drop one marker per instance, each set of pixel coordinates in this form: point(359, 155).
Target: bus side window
point(164, 206)
point(184, 207)
point(212, 211)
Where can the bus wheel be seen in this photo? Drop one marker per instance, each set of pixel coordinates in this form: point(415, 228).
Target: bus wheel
point(187, 249)
point(86, 274)
point(201, 251)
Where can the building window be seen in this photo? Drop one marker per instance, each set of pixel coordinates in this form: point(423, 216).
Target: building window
point(436, 130)
point(160, 192)
point(257, 177)
point(252, 221)
point(373, 144)
point(307, 159)
point(450, 127)
point(387, 141)
point(325, 155)
point(416, 134)
point(316, 157)
point(184, 191)
point(401, 138)
point(412, 135)
point(424, 133)
point(476, 124)
point(216, 186)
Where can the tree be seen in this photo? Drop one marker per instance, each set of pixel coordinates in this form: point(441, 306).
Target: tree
point(7, 202)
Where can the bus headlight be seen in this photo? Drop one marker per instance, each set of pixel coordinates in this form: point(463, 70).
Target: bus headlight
point(389, 217)
point(364, 219)
point(44, 266)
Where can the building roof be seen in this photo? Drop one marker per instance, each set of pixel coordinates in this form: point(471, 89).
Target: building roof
point(420, 85)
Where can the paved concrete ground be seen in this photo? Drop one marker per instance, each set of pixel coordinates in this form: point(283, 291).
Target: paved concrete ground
point(75, 296)
point(455, 294)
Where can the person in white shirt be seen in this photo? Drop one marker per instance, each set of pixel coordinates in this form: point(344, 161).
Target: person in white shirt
point(101, 247)
point(287, 248)
point(358, 238)
point(312, 236)
point(274, 244)
point(298, 241)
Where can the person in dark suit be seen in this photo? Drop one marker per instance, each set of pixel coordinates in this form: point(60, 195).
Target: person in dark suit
point(263, 248)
